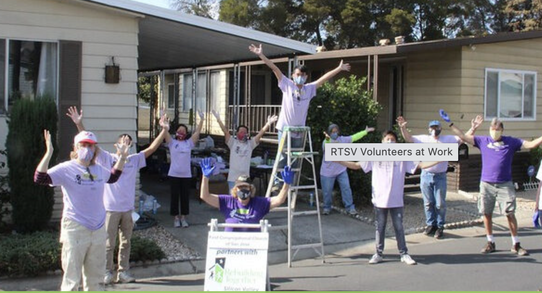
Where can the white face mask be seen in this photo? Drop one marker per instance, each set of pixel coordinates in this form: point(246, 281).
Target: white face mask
point(85, 154)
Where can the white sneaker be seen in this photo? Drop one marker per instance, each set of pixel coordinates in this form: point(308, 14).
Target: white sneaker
point(125, 277)
point(184, 223)
point(407, 259)
point(176, 223)
point(353, 212)
point(108, 278)
point(376, 258)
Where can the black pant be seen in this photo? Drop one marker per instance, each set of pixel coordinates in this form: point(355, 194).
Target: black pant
point(180, 194)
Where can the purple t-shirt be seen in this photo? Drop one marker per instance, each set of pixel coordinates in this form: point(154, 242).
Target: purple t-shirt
point(235, 212)
point(294, 110)
point(497, 157)
point(333, 169)
point(82, 195)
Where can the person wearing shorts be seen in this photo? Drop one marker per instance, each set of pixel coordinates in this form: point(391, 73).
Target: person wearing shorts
point(496, 184)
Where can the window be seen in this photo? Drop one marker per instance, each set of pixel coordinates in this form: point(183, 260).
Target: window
point(201, 92)
point(171, 96)
point(31, 71)
point(187, 92)
point(510, 94)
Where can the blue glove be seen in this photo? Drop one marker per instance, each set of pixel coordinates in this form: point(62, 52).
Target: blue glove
point(287, 175)
point(536, 220)
point(207, 167)
point(444, 115)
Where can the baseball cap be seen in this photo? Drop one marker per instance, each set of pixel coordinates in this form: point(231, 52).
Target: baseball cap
point(434, 123)
point(243, 180)
point(85, 136)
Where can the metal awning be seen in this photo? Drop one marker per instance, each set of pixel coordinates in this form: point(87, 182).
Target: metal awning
point(171, 39)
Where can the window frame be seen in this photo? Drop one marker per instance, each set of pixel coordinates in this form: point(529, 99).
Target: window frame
point(513, 71)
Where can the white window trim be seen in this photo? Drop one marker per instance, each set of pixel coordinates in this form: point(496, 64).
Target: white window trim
point(168, 93)
point(498, 70)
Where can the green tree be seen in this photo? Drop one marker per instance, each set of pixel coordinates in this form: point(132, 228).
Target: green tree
point(203, 8)
point(348, 105)
point(32, 204)
point(526, 15)
point(239, 12)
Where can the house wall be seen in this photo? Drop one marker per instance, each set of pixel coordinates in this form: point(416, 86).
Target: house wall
point(109, 109)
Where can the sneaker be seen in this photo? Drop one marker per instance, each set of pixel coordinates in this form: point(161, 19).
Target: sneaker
point(430, 230)
point(517, 249)
point(108, 278)
point(326, 212)
point(352, 212)
point(184, 223)
point(489, 248)
point(439, 233)
point(176, 223)
point(407, 259)
point(376, 258)
point(125, 277)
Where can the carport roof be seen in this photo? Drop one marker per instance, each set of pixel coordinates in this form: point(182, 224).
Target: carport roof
point(172, 39)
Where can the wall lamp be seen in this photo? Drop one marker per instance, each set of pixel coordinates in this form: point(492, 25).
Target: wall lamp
point(112, 72)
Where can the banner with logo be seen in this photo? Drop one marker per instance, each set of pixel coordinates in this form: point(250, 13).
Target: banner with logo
point(236, 261)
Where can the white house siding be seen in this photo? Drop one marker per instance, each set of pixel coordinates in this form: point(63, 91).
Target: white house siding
point(109, 109)
point(432, 81)
point(522, 55)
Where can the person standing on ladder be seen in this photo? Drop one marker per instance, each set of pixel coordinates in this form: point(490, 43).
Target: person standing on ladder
point(331, 171)
point(296, 93)
point(241, 147)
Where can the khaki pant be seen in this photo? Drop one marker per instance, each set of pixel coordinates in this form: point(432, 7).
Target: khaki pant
point(118, 223)
point(83, 254)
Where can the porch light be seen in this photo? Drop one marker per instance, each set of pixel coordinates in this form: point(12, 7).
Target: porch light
point(112, 72)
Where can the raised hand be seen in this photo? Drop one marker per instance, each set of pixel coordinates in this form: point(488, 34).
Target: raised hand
point(256, 50)
point(287, 175)
point(201, 115)
point(401, 121)
point(344, 66)
point(48, 142)
point(216, 114)
point(164, 121)
point(476, 122)
point(326, 135)
point(76, 117)
point(123, 147)
point(369, 129)
point(272, 119)
point(207, 167)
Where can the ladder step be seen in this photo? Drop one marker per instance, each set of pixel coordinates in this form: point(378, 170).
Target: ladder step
point(303, 154)
point(296, 128)
point(280, 209)
point(304, 213)
point(302, 187)
point(310, 245)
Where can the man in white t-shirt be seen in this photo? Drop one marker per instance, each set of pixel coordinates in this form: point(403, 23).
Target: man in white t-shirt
point(241, 146)
point(433, 182)
point(296, 93)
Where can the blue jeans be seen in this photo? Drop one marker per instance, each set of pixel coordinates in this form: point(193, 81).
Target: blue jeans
point(433, 187)
point(346, 191)
point(381, 216)
point(296, 142)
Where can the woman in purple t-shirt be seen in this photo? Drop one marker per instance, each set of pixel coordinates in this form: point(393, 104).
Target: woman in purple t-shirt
point(241, 207)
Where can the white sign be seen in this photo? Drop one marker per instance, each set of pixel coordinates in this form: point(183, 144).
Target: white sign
point(386, 152)
point(236, 261)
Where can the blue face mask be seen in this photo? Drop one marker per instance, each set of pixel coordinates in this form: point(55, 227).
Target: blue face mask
point(334, 135)
point(299, 80)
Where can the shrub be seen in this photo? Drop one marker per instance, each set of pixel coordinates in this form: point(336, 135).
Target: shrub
point(347, 104)
point(33, 254)
point(32, 204)
point(4, 195)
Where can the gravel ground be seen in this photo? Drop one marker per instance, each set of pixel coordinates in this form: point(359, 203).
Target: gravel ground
point(174, 249)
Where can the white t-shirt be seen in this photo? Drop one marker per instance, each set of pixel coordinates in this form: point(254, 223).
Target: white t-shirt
point(539, 177)
point(388, 182)
point(240, 155)
point(180, 153)
point(423, 138)
point(120, 196)
point(333, 169)
point(82, 196)
point(294, 111)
